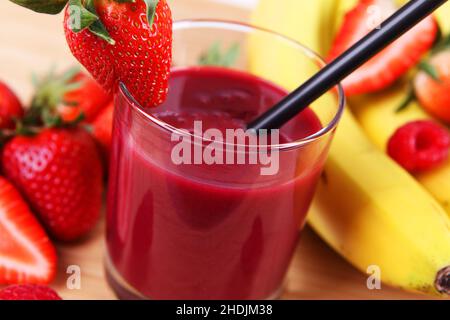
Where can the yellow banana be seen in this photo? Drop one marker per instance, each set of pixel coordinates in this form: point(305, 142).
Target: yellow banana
point(367, 208)
point(379, 117)
point(443, 14)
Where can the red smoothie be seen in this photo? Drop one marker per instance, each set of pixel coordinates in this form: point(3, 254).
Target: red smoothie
point(198, 231)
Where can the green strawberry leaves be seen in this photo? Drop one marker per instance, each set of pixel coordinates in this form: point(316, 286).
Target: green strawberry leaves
point(407, 101)
point(50, 92)
point(82, 16)
point(97, 26)
point(430, 70)
point(43, 6)
point(216, 57)
point(151, 10)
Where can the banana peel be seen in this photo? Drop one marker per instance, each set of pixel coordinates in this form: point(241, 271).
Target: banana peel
point(380, 117)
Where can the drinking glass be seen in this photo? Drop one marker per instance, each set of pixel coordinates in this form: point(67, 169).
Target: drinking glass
point(183, 231)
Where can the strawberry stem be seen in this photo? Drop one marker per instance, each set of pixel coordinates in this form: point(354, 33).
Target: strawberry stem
point(50, 92)
point(80, 17)
point(83, 15)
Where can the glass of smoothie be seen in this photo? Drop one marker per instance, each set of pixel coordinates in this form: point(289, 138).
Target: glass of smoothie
point(193, 213)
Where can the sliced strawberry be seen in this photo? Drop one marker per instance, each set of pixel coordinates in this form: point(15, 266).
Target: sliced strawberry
point(26, 253)
point(394, 61)
point(434, 93)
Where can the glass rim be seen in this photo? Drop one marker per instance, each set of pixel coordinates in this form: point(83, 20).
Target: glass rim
point(240, 26)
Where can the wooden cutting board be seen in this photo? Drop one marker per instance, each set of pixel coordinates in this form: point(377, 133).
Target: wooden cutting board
point(33, 43)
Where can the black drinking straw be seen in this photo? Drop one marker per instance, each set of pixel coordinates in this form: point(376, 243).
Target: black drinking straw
point(394, 27)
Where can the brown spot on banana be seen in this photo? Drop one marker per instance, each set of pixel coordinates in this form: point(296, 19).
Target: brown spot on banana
point(442, 282)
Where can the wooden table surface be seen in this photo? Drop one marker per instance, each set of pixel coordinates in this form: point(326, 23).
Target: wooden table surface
point(33, 43)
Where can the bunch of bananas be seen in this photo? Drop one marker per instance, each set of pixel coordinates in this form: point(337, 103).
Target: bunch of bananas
point(369, 209)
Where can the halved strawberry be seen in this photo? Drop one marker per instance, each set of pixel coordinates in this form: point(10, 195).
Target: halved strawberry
point(394, 61)
point(26, 253)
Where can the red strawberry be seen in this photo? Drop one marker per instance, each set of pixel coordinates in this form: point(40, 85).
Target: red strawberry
point(60, 173)
point(10, 107)
point(394, 61)
point(28, 292)
point(89, 99)
point(26, 253)
point(434, 94)
point(102, 129)
point(71, 94)
point(128, 41)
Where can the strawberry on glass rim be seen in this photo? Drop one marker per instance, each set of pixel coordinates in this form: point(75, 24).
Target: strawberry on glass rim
point(119, 40)
point(391, 63)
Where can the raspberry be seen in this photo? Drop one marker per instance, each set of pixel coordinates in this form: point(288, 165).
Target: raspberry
point(419, 146)
point(28, 292)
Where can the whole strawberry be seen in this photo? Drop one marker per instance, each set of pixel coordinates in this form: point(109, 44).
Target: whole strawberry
point(59, 171)
point(128, 41)
point(432, 86)
point(87, 99)
point(72, 93)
